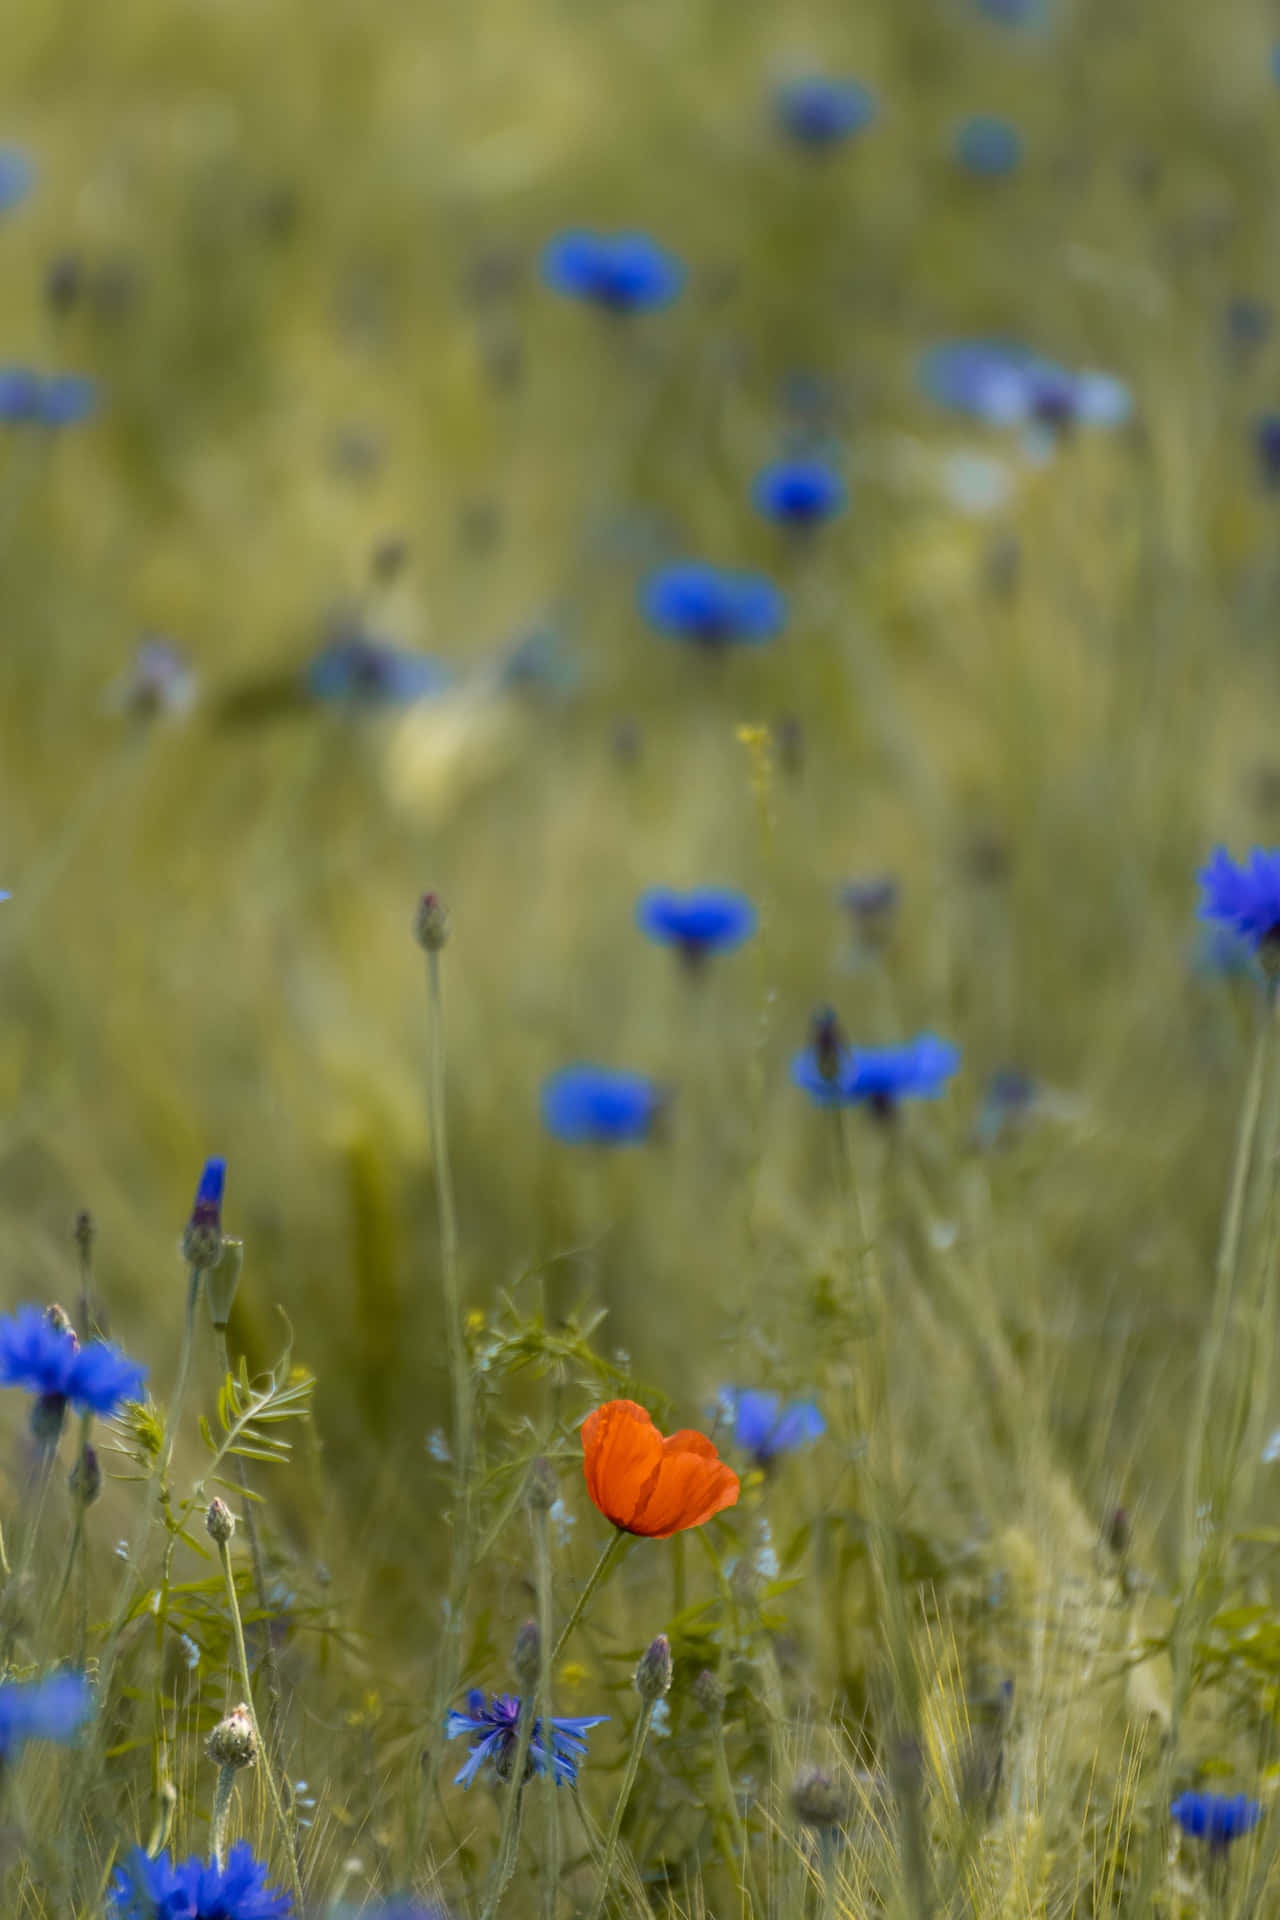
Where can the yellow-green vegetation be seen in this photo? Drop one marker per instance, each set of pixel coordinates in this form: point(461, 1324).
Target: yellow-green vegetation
point(957, 1656)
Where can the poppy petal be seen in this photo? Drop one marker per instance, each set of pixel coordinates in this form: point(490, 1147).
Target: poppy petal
point(694, 1483)
point(622, 1454)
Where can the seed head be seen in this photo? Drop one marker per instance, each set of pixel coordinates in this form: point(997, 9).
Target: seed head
point(653, 1674)
point(431, 923)
point(220, 1521)
point(233, 1742)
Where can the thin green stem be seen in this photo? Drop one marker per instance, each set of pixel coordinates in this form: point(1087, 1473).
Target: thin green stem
point(729, 1800)
point(612, 1548)
point(620, 1807)
point(268, 1768)
point(271, 1667)
point(509, 1839)
point(218, 1817)
point(174, 1421)
point(546, 1622)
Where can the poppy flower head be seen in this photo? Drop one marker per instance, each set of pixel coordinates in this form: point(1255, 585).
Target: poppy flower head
point(648, 1483)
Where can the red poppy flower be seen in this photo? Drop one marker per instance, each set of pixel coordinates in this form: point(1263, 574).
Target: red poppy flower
point(647, 1483)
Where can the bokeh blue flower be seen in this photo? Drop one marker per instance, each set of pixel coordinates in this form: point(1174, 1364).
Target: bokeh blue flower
point(586, 1105)
point(764, 1425)
point(879, 1077)
point(704, 921)
point(17, 177)
point(167, 1889)
point(620, 272)
point(821, 112)
point(1218, 1818)
point(30, 399)
point(364, 671)
point(1266, 441)
point(50, 1362)
point(713, 607)
point(799, 493)
point(1244, 897)
point(52, 1708)
point(493, 1725)
point(988, 146)
point(1005, 384)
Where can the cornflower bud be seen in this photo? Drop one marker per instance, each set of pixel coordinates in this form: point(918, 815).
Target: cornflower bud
point(431, 923)
point(202, 1238)
point(709, 1694)
point(819, 1799)
point(220, 1521)
point(827, 1043)
point(653, 1674)
point(233, 1742)
point(85, 1478)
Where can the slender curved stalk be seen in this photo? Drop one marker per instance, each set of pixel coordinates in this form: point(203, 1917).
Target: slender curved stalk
point(741, 1838)
point(268, 1769)
point(598, 1572)
point(546, 1620)
point(509, 1840)
point(620, 1806)
point(270, 1665)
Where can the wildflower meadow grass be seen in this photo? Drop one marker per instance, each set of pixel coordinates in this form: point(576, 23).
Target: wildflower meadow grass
point(639, 950)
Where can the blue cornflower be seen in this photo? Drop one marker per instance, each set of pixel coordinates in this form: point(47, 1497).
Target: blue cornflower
point(800, 494)
point(1245, 898)
point(1007, 385)
point(764, 1426)
point(711, 606)
point(29, 399)
point(1218, 1818)
point(707, 920)
point(54, 1708)
point(820, 112)
point(621, 272)
point(599, 1106)
point(494, 1723)
point(878, 1076)
point(366, 671)
point(49, 1361)
point(17, 177)
point(988, 146)
point(165, 1889)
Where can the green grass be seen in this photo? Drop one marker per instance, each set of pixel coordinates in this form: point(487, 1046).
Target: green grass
point(279, 213)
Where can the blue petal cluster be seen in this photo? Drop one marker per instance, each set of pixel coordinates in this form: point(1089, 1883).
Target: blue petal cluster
point(366, 671)
point(1218, 1818)
point(820, 112)
point(493, 1725)
point(622, 272)
point(17, 177)
point(988, 146)
point(34, 1354)
point(880, 1076)
point(29, 399)
point(707, 920)
point(598, 1106)
point(711, 606)
point(165, 1889)
point(1004, 384)
point(799, 493)
point(764, 1426)
point(54, 1708)
point(1245, 898)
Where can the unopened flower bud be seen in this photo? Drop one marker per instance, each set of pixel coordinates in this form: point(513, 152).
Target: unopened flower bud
point(818, 1798)
point(233, 1742)
point(85, 1478)
point(85, 1232)
point(431, 923)
point(709, 1694)
point(653, 1674)
point(827, 1043)
point(540, 1489)
point(220, 1521)
point(58, 1317)
point(526, 1655)
point(223, 1281)
point(202, 1239)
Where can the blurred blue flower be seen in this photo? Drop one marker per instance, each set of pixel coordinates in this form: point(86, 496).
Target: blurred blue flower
point(1015, 13)
point(799, 493)
point(1245, 898)
point(988, 146)
point(820, 112)
point(17, 177)
point(871, 905)
point(878, 1076)
point(711, 606)
point(599, 1106)
point(622, 272)
point(1249, 323)
point(165, 1889)
point(1008, 1100)
point(1007, 385)
point(704, 921)
point(366, 671)
point(494, 1723)
point(54, 1708)
point(1266, 440)
point(29, 399)
point(1218, 1818)
point(50, 1362)
point(764, 1426)
point(1275, 64)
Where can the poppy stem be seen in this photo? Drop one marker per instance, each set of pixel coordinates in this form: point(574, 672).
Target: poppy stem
point(598, 1572)
point(624, 1794)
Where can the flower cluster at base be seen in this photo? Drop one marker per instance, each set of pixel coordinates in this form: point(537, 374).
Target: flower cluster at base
point(495, 1724)
point(162, 1889)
